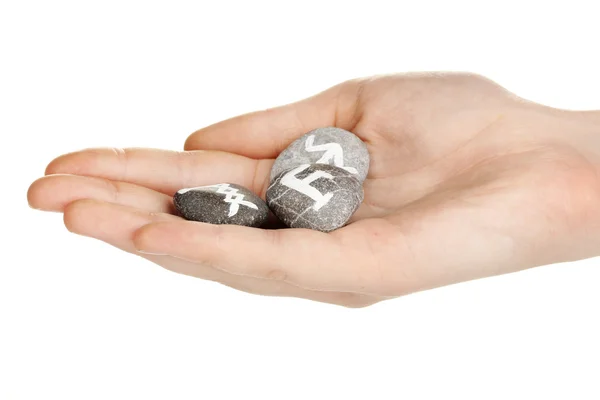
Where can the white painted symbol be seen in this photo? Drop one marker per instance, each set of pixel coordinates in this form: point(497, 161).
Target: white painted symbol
point(303, 185)
point(332, 151)
point(231, 196)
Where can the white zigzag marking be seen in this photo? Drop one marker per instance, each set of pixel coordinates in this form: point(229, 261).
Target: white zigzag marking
point(332, 150)
point(231, 196)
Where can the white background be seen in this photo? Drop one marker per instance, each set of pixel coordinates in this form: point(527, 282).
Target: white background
point(81, 320)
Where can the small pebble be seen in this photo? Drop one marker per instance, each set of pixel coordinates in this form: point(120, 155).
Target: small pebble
point(315, 196)
point(333, 146)
point(224, 203)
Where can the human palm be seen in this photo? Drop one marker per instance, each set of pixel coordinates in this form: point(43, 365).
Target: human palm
point(466, 181)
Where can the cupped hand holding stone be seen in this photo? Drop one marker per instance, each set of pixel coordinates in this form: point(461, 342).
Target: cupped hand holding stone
point(466, 181)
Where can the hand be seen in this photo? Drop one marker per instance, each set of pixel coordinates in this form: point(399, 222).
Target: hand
point(466, 181)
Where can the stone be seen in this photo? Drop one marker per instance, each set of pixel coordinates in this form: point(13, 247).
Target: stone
point(224, 203)
point(334, 146)
point(315, 196)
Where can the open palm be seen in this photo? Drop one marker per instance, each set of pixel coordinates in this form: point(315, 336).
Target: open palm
point(466, 181)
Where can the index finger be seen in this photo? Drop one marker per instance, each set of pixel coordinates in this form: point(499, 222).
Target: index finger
point(264, 134)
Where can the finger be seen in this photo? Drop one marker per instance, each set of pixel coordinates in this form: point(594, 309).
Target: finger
point(165, 171)
point(115, 225)
point(54, 192)
point(264, 134)
point(111, 223)
point(309, 259)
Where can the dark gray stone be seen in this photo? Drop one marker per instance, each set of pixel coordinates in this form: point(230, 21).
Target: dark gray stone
point(333, 146)
point(315, 196)
point(224, 203)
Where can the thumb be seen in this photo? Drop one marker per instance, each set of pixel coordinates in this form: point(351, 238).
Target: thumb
point(264, 134)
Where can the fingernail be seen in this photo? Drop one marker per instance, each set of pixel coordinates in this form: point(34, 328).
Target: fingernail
point(151, 253)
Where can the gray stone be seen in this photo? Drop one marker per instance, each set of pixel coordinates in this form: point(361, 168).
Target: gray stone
point(224, 203)
point(333, 146)
point(315, 196)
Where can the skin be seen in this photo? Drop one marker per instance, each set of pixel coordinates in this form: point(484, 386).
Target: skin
point(466, 181)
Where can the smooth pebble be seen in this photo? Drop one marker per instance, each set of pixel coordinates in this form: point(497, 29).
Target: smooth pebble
point(315, 196)
point(223, 203)
point(330, 145)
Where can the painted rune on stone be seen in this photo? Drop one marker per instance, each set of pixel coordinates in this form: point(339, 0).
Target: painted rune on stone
point(303, 185)
point(231, 196)
point(332, 151)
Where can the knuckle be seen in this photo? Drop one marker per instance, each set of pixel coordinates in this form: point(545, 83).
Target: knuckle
point(114, 189)
point(274, 237)
point(119, 152)
point(122, 156)
point(219, 245)
point(219, 236)
point(275, 274)
point(184, 161)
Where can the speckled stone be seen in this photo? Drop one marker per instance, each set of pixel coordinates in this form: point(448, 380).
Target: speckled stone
point(224, 203)
point(315, 196)
point(333, 146)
